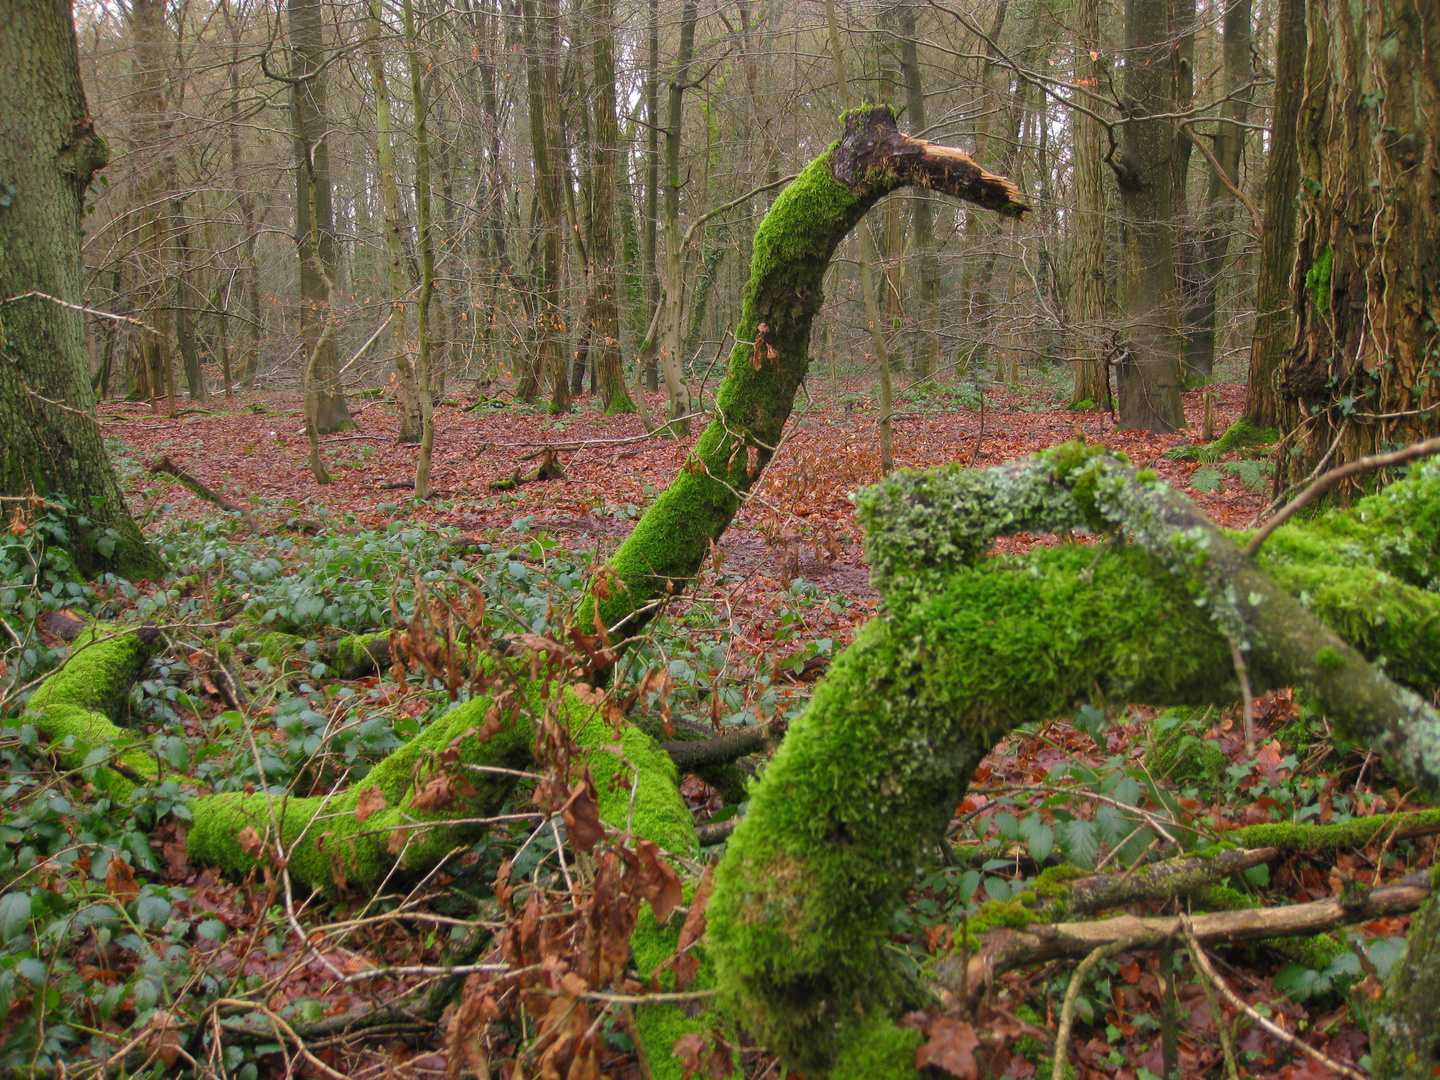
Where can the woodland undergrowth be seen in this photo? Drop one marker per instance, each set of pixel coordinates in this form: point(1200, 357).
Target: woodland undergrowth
point(117, 955)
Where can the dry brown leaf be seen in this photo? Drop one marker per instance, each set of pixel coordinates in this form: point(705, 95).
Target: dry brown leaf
point(120, 879)
point(694, 926)
point(704, 1055)
point(951, 1047)
point(250, 842)
point(658, 881)
point(371, 800)
point(581, 814)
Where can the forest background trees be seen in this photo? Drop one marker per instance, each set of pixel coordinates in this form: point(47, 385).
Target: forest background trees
point(594, 170)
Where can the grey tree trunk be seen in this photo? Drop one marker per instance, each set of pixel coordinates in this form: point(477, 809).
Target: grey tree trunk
point(1212, 240)
point(1274, 316)
point(925, 355)
point(48, 153)
point(310, 115)
point(1148, 374)
point(1087, 301)
point(602, 309)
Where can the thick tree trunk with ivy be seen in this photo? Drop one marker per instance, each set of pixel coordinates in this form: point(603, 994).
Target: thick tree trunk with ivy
point(1365, 370)
point(48, 153)
point(1274, 321)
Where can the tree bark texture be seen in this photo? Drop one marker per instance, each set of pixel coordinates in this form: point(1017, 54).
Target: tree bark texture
point(1087, 305)
point(1148, 372)
point(314, 213)
point(601, 307)
point(48, 153)
point(542, 44)
point(1211, 239)
point(1365, 370)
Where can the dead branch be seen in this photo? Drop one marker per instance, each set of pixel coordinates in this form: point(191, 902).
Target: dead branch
point(165, 466)
point(1335, 477)
point(1203, 963)
point(689, 756)
point(1004, 949)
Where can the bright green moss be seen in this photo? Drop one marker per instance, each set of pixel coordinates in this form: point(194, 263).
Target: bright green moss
point(867, 777)
point(792, 250)
point(662, 1025)
point(71, 706)
point(1329, 659)
point(354, 654)
point(328, 844)
point(1352, 835)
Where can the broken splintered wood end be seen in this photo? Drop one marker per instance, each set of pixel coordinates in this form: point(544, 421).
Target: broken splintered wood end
point(872, 138)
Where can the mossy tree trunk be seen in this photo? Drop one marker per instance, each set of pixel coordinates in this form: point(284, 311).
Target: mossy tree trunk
point(48, 153)
point(793, 248)
point(971, 646)
point(1365, 369)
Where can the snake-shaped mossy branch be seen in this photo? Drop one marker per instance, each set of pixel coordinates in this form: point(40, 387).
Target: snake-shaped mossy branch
point(323, 838)
point(968, 648)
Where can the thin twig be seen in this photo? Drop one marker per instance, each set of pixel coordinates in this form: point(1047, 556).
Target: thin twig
point(1072, 995)
point(1333, 478)
point(1247, 696)
point(1203, 962)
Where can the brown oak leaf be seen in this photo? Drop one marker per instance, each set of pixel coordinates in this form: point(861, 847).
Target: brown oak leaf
point(371, 800)
point(951, 1047)
point(582, 815)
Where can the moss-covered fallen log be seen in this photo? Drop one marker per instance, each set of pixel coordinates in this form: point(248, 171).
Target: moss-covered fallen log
point(967, 648)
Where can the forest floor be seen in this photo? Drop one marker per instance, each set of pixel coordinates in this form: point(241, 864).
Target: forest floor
point(787, 583)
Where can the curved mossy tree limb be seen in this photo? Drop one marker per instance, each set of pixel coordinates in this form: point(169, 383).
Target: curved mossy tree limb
point(358, 834)
point(968, 648)
point(792, 251)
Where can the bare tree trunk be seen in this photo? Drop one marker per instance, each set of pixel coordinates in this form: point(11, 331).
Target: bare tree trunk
point(310, 114)
point(1274, 316)
point(249, 272)
point(652, 199)
point(408, 384)
point(542, 36)
point(1213, 236)
point(427, 253)
point(1148, 375)
point(1087, 306)
point(672, 362)
point(603, 312)
point(926, 338)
